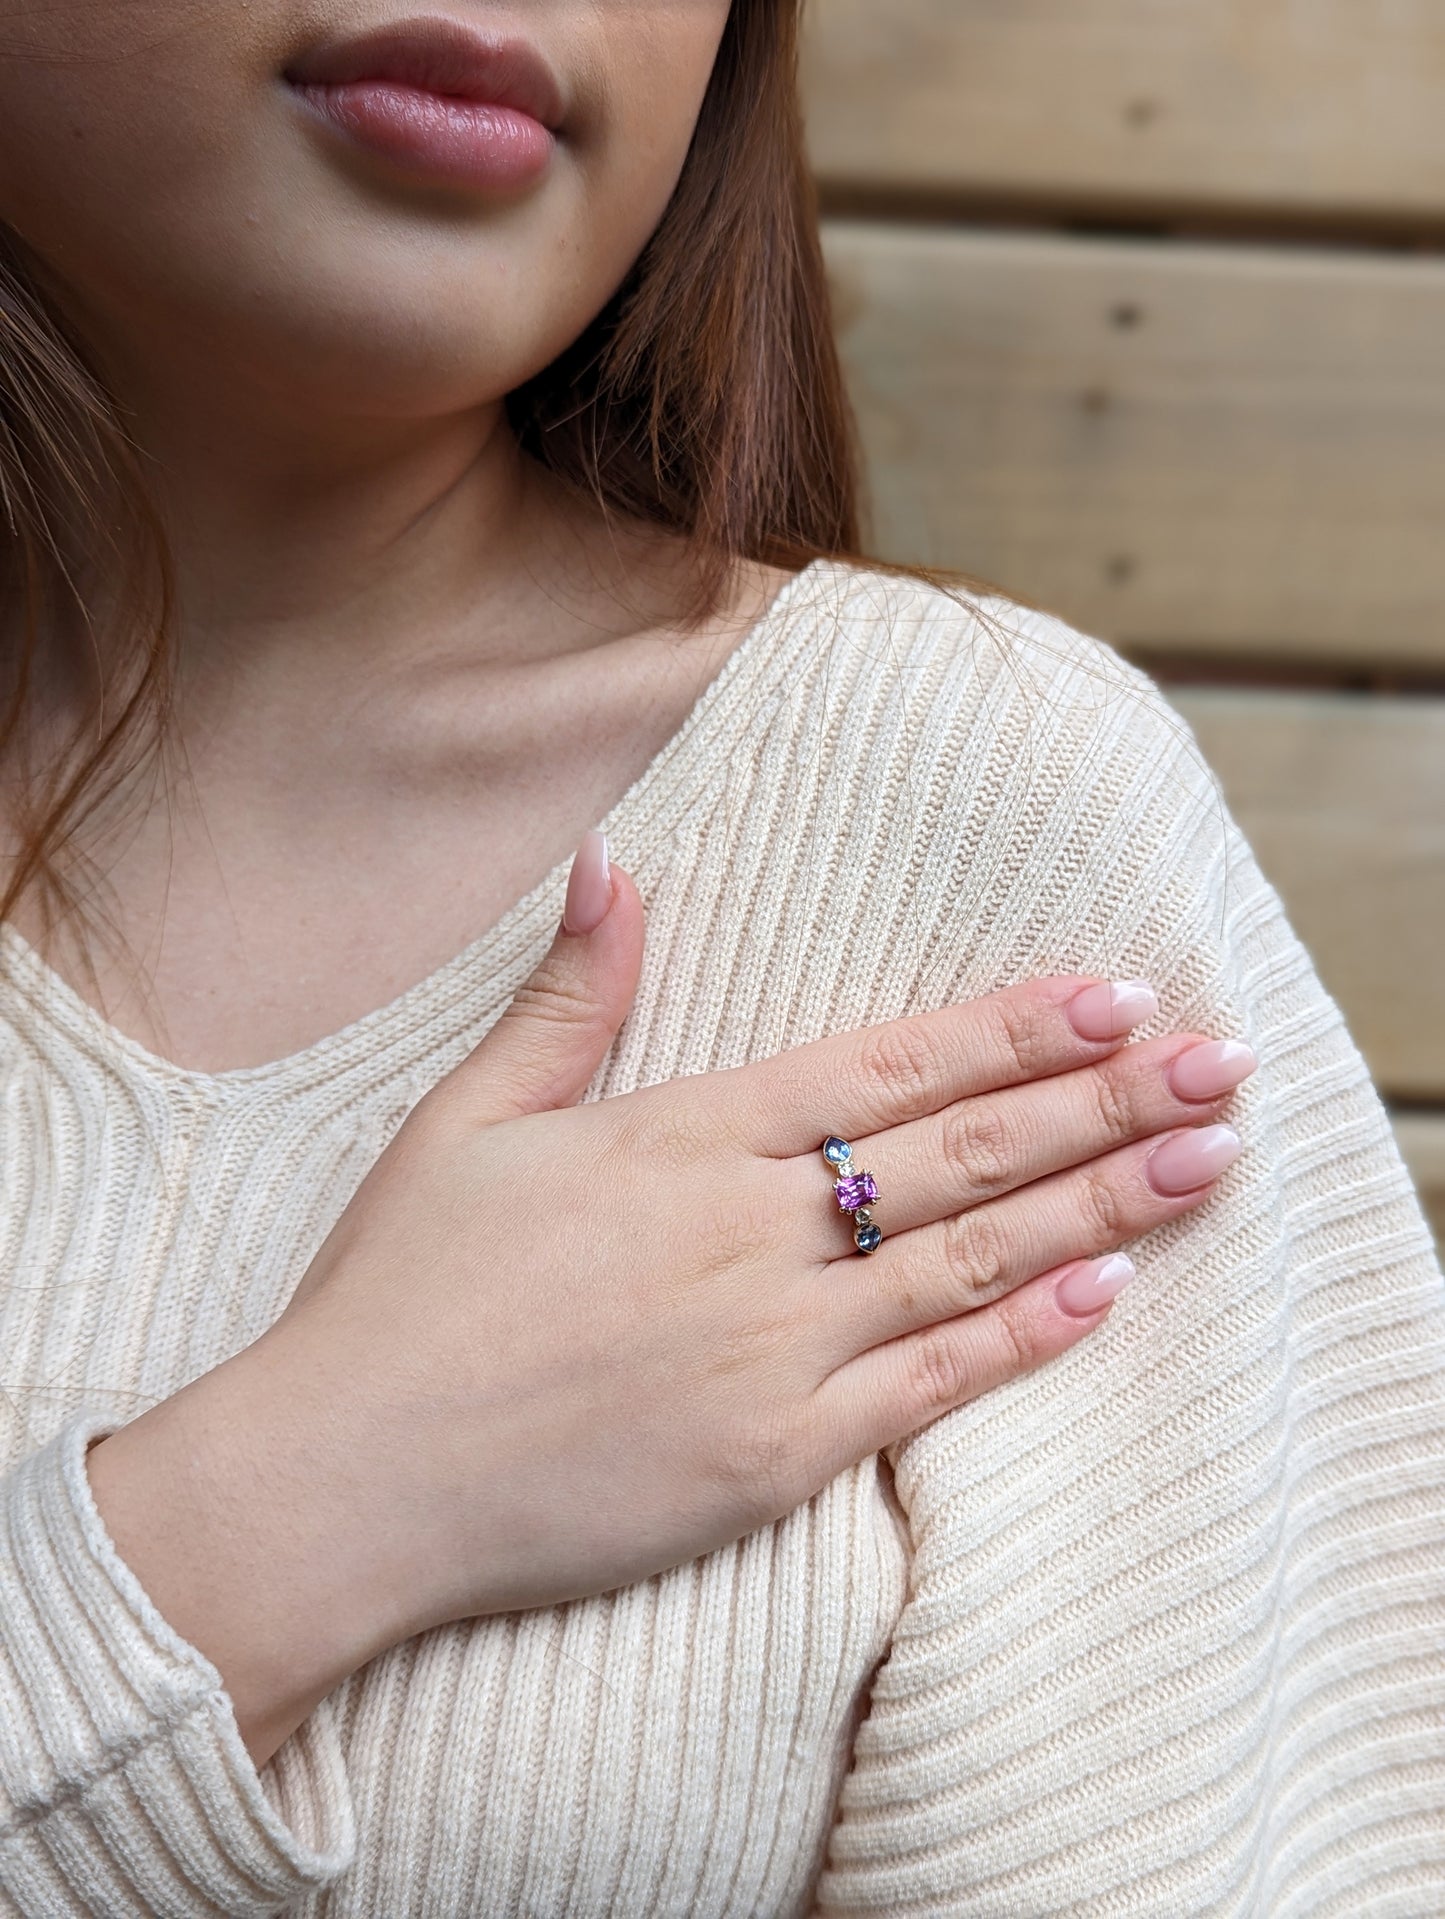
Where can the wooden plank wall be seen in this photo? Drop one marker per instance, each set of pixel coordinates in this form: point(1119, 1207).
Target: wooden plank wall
point(1142, 305)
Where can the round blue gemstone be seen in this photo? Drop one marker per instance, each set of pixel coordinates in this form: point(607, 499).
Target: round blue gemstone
point(836, 1150)
point(866, 1238)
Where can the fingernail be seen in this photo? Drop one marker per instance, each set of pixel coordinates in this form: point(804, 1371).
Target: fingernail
point(589, 886)
point(1192, 1159)
point(1111, 1009)
point(1214, 1067)
point(1089, 1287)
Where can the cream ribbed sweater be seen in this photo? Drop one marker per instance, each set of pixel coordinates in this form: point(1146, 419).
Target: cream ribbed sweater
point(1156, 1630)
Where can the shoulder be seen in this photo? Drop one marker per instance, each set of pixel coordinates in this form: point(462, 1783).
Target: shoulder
point(1009, 796)
point(974, 675)
point(976, 639)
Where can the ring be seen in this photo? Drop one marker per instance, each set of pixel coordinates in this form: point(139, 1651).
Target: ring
point(856, 1192)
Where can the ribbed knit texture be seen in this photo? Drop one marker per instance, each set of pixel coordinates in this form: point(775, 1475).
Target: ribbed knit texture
point(1156, 1630)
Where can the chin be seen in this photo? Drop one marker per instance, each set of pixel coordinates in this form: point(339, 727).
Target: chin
point(355, 368)
point(372, 324)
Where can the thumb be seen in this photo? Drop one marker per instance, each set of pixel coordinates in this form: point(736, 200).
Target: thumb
point(546, 1046)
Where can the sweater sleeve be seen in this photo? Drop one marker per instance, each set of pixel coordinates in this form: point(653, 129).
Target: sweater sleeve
point(1174, 1639)
point(125, 1786)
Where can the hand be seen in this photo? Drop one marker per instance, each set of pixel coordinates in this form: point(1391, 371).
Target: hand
point(550, 1348)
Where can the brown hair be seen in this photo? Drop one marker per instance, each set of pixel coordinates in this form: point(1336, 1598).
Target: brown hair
point(707, 397)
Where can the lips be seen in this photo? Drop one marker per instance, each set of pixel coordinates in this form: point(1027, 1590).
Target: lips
point(437, 55)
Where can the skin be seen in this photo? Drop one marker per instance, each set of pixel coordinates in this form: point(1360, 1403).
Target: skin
point(300, 328)
point(392, 627)
point(393, 631)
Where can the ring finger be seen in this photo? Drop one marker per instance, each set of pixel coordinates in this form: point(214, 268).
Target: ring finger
point(994, 1143)
point(954, 1265)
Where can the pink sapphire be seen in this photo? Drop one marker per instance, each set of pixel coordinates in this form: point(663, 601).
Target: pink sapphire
point(855, 1190)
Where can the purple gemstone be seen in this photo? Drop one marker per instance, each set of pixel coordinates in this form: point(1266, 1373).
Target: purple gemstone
point(858, 1189)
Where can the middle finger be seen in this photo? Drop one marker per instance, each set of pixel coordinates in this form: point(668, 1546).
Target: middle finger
point(979, 1148)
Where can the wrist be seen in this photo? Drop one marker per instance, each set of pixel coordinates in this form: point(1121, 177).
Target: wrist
point(224, 1503)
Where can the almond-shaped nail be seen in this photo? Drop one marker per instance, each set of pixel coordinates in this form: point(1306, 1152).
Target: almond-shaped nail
point(1089, 1287)
point(1112, 1009)
point(1214, 1067)
point(589, 886)
point(1190, 1160)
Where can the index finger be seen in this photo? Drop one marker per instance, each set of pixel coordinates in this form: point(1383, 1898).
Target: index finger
point(856, 1083)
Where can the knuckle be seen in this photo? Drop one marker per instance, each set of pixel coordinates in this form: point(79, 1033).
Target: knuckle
point(663, 1132)
point(978, 1147)
point(555, 994)
point(938, 1370)
point(1116, 1101)
point(975, 1257)
point(1019, 1337)
point(1023, 1030)
point(760, 1461)
point(897, 1060)
point(713, 1237)
point(1105, 1205)
point(729, 1239)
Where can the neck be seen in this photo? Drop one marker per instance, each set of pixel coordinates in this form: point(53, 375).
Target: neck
point(311, 553)
point(374, 551)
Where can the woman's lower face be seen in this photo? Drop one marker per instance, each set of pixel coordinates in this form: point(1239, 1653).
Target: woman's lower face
point(196, 199)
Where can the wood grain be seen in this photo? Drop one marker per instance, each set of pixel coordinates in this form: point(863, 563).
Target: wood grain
point(1342, 797)
point(1227, 450)
point(1330, 108)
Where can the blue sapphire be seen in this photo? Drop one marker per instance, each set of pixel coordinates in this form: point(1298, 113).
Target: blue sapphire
point(866, 1238)
point(836, 1150)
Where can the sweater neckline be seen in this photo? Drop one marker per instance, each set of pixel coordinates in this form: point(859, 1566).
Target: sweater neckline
point(659, 795)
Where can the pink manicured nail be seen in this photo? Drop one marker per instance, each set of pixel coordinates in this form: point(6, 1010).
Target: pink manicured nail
point(1087, 1288)
point(1204, 1072)
point(589, 886)
point(1192, 1159)
point(1112, 1009)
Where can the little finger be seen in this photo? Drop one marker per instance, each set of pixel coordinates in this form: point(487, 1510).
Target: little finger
point(890, 1391)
